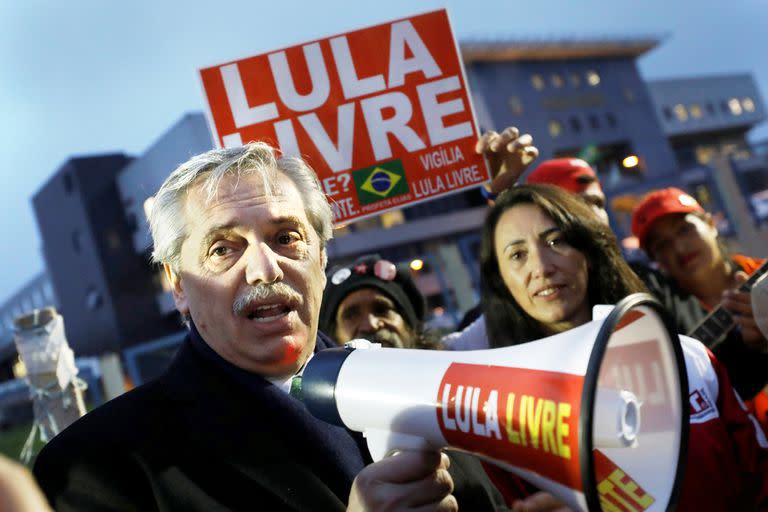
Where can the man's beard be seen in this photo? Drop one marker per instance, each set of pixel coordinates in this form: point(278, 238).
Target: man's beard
point(388, 338)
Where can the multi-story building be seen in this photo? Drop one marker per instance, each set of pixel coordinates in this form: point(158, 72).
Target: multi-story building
point(102, 285)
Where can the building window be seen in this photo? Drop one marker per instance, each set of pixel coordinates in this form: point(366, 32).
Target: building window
point(38, 298)
point(681, 113)
point(537, 81)
point(611, 119)
point(368, 223)
point(748, 104)
point(113, 240)
point(594, 122)
point(557, 81)
point(48, 291)
point(575, 124)
point(695, 111)
point(704, 154)
point(68, 185)
point(629, 95)
point(130, 222)
point(593, 78)
point(93, 299)
point(392, 218)
point(555, 128)
point(667, 113)
point(710, 108)
point(76, 241)
point(724, 107)
point(341, 230)
point(575, 79)
point(734, 106)
point(515, 105)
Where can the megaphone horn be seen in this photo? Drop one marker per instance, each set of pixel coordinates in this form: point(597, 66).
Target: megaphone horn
point(594, 415)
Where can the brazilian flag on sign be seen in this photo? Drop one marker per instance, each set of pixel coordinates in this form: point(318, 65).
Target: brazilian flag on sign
point(381, 181)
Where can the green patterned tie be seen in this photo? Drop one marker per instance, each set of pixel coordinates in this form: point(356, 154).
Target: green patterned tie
point(296, 387)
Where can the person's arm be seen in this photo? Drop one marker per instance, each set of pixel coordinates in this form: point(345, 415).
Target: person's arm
point(508, 154)
point(18, 490)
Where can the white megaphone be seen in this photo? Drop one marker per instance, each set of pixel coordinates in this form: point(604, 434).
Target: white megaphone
point(597, 416)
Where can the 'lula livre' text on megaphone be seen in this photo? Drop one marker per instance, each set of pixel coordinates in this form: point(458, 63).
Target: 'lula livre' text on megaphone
point(596, 415)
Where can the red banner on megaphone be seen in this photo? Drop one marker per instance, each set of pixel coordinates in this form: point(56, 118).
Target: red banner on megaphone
point(516, 415)
point(618, 491)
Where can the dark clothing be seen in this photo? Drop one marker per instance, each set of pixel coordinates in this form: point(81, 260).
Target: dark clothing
point(207, 436)
point(747, 369)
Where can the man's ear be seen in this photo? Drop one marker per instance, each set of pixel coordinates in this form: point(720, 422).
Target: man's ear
point(179, 297)
point(323, 264)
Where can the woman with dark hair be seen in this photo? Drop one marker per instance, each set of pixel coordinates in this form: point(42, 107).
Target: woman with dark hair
point(579, 230)
point(546, 261)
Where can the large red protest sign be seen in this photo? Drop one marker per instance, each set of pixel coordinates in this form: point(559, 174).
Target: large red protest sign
point(382, 114)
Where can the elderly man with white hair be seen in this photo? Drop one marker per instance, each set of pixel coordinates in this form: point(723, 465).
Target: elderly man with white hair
point(242, 236)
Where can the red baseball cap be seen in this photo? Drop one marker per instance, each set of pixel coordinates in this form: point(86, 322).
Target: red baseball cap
point(572, 174)
point(660, 203)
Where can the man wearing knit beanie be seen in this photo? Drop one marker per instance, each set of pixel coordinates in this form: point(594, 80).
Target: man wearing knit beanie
point(375, 299)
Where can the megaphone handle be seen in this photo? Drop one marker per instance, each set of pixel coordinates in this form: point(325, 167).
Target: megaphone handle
point(383, 443)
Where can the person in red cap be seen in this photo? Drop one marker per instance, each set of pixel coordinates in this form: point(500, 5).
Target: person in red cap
point(682, 238)
point(675, 232)
point(574, 175)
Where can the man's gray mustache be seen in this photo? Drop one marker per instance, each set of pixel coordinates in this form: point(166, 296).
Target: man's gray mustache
point(277, 292)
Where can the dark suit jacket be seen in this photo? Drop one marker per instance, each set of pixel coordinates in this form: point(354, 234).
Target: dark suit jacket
point(197, 439)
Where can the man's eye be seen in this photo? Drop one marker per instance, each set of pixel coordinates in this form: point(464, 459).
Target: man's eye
point(349, 314)
point(220, 251)
point(288, 237)
point(382, 310)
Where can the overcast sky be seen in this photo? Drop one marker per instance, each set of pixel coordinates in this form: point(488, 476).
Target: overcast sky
point(88, 77)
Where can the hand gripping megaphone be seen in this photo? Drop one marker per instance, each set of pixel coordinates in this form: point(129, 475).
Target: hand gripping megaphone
point(597, 416)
